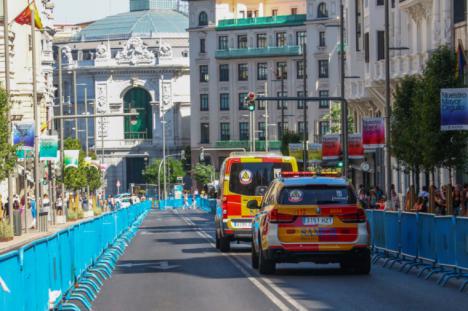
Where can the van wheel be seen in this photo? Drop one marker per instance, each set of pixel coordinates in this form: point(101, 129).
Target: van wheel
point(357, 266)
point(217, 240)
point(254, 257)
point(224, 244)
point(265, 266)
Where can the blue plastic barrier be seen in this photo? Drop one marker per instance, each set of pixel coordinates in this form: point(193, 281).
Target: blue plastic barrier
point(445, 240)
point(409, 234)
point(392, 231)
point(370, 219)
point(379, 229)
point(51, 266)
point(461, 246)
point(426, 237)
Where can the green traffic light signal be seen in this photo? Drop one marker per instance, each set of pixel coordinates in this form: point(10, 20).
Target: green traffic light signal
point(340, 164)
point(252, 106)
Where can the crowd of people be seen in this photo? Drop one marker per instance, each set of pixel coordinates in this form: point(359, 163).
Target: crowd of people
point(375, 199)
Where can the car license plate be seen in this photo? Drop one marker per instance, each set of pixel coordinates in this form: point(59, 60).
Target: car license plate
point(316, 221)
point(242, 225)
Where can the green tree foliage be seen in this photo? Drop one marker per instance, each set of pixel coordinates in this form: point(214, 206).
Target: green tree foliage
point(334, 117)
point(174, 169)
point(83, 176)
point(7, 151)
point(289, 137)
point(203, 174)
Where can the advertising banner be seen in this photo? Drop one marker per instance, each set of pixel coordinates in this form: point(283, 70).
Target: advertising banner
point(48, 148)
point(23, 134)
point(315, 153)
point(373, 132)
point(296, 150)
point(331, 147)
point(355, 146)
point(454, 109)
point(71, 158)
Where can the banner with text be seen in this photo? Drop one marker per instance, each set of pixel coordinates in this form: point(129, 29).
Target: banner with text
point(454, 109)
point(355, 146)
point(71, 158)
point(331, 147)
point(23, 134)
point(315, 153)
point(48, 148)
point(373, 132)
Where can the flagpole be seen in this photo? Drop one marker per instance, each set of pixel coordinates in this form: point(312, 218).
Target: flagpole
point(36, 123)
point(6, 34)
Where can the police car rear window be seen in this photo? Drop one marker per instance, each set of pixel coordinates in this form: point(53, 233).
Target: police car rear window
point(317, 194)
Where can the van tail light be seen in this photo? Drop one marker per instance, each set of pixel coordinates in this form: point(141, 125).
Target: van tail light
point(277, 217)
point(359, 216)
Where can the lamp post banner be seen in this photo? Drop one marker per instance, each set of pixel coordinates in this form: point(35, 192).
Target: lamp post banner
point(454, 109)
point(315, 153)
point(355, 146)
point(48, 148)
point(23, 134)
point(296, 151)
point(331, 147)
point(373, 132)
point(71, 158)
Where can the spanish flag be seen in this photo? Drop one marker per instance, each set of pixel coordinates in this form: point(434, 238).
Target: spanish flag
point(25, 17)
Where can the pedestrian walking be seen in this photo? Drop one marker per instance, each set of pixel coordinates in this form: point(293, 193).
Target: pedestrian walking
point(186, 200)
point(32, 203)
point(59, 205)
point(46, 207)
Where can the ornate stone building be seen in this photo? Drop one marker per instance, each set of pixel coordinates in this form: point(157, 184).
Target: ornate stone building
point(131, 61)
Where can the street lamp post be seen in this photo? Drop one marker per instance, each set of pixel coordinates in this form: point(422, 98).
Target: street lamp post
point(388, 108)
point(344, 103)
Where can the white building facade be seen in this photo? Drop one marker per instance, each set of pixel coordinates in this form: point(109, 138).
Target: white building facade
point(242, 46)
point(135, 61)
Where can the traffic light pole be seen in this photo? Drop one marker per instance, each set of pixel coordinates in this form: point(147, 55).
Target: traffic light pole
point(305, 138)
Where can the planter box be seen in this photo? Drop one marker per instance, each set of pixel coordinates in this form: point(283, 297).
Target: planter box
point(6, 239)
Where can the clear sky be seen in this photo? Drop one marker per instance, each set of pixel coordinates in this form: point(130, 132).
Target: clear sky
point(75, 11)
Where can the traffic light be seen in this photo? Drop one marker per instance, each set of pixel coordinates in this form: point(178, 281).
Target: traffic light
point(251, 106)
point(340, 164)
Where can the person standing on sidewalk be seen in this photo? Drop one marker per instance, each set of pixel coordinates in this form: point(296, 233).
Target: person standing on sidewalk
point(59, 205)
point(32, 204)
point(46, 206)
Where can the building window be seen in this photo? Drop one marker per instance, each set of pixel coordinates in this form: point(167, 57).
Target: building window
point(242, 41)
point(459, 11)
point(300, 38)
point(205, 133)
point(262, 71)
point(358, 13)
point(224, 72)
point(282, 128)
point(322, 40)
point(380, 45)
point(274, 12)
point(224, 101)
point(280, 39)
point(225, 131)
point(366, 47)
point(249, 14)
point(324, 103)
point(282, 70)
point(223, 42)
point(300, 103)
point(324, 128)
point(261, 130)
point(202, 19)
point(282, 103)
point(203, 73)
point(381, 2)
point(323, 68)
point(243, 71)
point(261, 40)
point(202, 46)
point(300, 69)
point(242, 102)
point(261, 103)
point(293, 11)
point(322, 10)
point(300, 127)
point(241, 14)
point(204, 105)
point(243, 130)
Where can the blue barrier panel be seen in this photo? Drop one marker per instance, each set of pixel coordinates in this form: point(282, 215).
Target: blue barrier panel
point(379, 231)
point(409, 234)
point(426, 237)
point(392, 231)
point(11, 274)
point(370, 220)
point(461, 237)
point(41, 285)
point(445, 240)
point(65, 259)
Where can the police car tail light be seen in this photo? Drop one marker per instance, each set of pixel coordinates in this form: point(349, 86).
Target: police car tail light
point(358, 216)
point(224, 206)
point(277, 217)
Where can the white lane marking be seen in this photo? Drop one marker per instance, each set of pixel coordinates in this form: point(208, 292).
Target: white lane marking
point(242, 266)
point(163, 265)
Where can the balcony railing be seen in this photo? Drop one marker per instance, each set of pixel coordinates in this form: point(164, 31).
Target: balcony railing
point(259, 22)
point(259, 145)
point(271, 51)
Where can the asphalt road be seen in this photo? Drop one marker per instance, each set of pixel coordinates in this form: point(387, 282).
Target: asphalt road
point(172, 264)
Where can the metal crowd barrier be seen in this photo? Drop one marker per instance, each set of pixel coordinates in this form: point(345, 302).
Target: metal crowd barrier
point(43, 274)
point(434, 244)
point(207, 205)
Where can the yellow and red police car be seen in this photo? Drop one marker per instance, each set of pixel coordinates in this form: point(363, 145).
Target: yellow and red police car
point(305, 218)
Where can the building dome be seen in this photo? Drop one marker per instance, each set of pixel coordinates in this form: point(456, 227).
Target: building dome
point(144, 24)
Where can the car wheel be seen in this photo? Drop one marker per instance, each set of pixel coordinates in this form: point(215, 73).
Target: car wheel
point(254, 257)
point(217, 240)
point(265, 265)
point(224, 244)
point(363, 266)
